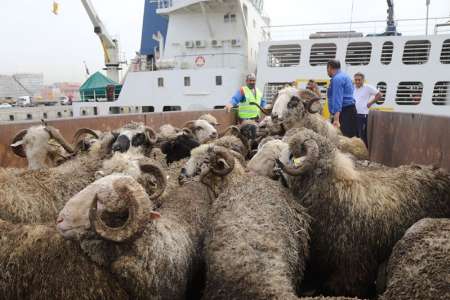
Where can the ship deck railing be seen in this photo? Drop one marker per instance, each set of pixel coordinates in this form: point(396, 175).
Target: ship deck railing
point(407, 27)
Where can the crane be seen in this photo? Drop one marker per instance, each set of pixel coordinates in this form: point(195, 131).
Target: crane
point(110, 45)
point(391, 28)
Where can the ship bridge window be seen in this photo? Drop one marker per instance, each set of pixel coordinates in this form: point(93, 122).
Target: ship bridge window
point(218, 80)
point(171, 108)
point(322, 53)
point(148, 109)
point(382, 87)
point(284, 55)
point(160, 82)
point(441, 93)
point(445, 53)
point(187, 81)
point(271, 90)
point(386, 53)
point(416, 52)
point(229, 18)
point(358, 53)
point(409, 93)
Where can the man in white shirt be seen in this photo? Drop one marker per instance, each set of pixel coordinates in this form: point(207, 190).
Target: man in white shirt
point(365, 96)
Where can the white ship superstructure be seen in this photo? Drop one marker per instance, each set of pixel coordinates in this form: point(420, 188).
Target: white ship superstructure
point(412, 72)
point(209, 47)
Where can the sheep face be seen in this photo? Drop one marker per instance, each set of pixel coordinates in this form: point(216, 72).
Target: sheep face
point(134, 136)
point(118, 198)
point(206, 158)
point(42, 145)
point(263, 163)
point(202, 130)
point(199, 160)
point(73, 220)
point(179, 148)
point(294, 104)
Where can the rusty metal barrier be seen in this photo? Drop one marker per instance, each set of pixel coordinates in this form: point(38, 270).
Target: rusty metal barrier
point(69, 126)
point(403, 138)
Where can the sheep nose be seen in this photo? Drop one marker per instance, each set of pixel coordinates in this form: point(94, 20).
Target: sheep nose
point(214, 135)
point(274, 117)
point(59, 220)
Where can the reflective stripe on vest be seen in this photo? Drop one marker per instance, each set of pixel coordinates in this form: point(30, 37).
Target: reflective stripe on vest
point(246, 110)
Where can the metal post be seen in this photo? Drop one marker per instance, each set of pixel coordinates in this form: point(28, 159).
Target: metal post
point(426, 25)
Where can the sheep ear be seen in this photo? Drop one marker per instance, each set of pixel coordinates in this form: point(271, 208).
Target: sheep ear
point(154, 215)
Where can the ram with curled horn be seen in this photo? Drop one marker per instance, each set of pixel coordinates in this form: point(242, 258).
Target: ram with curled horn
point(158, 252)
point(298, 108)
point(346, 205)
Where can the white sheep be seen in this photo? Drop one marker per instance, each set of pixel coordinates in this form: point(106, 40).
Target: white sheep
point(297, 108)
point(34, 144)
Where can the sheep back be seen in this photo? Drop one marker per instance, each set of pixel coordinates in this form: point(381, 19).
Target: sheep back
point(37, 263)
point(257, 242)
point(419, 267)
point(357, 221)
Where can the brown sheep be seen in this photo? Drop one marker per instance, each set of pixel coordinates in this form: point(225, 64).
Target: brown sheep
point(358, 215)
point(419, 267)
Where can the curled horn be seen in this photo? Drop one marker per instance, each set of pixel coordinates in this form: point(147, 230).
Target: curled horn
point(264, 111)
point(312, 156)
point(222, 163)
point(77, 137)
point(310, 103)
point(16, 147)
point(56, 135)
point(161, 180)
point(190, 125)
point(81, 131)
point(138, 206)
point(151, 135)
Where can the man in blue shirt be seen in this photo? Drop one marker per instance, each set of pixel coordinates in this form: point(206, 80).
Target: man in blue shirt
point(244, 98)
point(341, 103)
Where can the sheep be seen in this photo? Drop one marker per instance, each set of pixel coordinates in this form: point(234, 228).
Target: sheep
point(257, 240)
point(202, 130)
point(154, 255)
point(34, 144)
point(194, 133)
point(38, 263)
point(35, 196)
point(263, 163)
point(358, 215)
point(134, 136)
point(294, 108)
point(419, 266)
point(180, 147)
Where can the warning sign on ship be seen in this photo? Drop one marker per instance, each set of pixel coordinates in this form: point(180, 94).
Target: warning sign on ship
point(200, 61)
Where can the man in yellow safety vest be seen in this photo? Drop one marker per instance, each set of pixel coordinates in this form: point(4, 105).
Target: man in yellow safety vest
point(244, 97)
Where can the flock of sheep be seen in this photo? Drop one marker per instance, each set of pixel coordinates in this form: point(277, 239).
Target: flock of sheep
point(284, 209)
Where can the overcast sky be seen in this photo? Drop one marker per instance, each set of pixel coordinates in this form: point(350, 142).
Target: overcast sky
point(35, 40)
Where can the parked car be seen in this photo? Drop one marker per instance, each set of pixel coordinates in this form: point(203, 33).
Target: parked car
point(5, 105)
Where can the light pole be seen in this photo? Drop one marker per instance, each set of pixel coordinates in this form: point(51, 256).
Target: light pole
point(426, 24)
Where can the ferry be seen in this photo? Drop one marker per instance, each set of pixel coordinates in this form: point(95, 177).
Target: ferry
point(209, 47)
